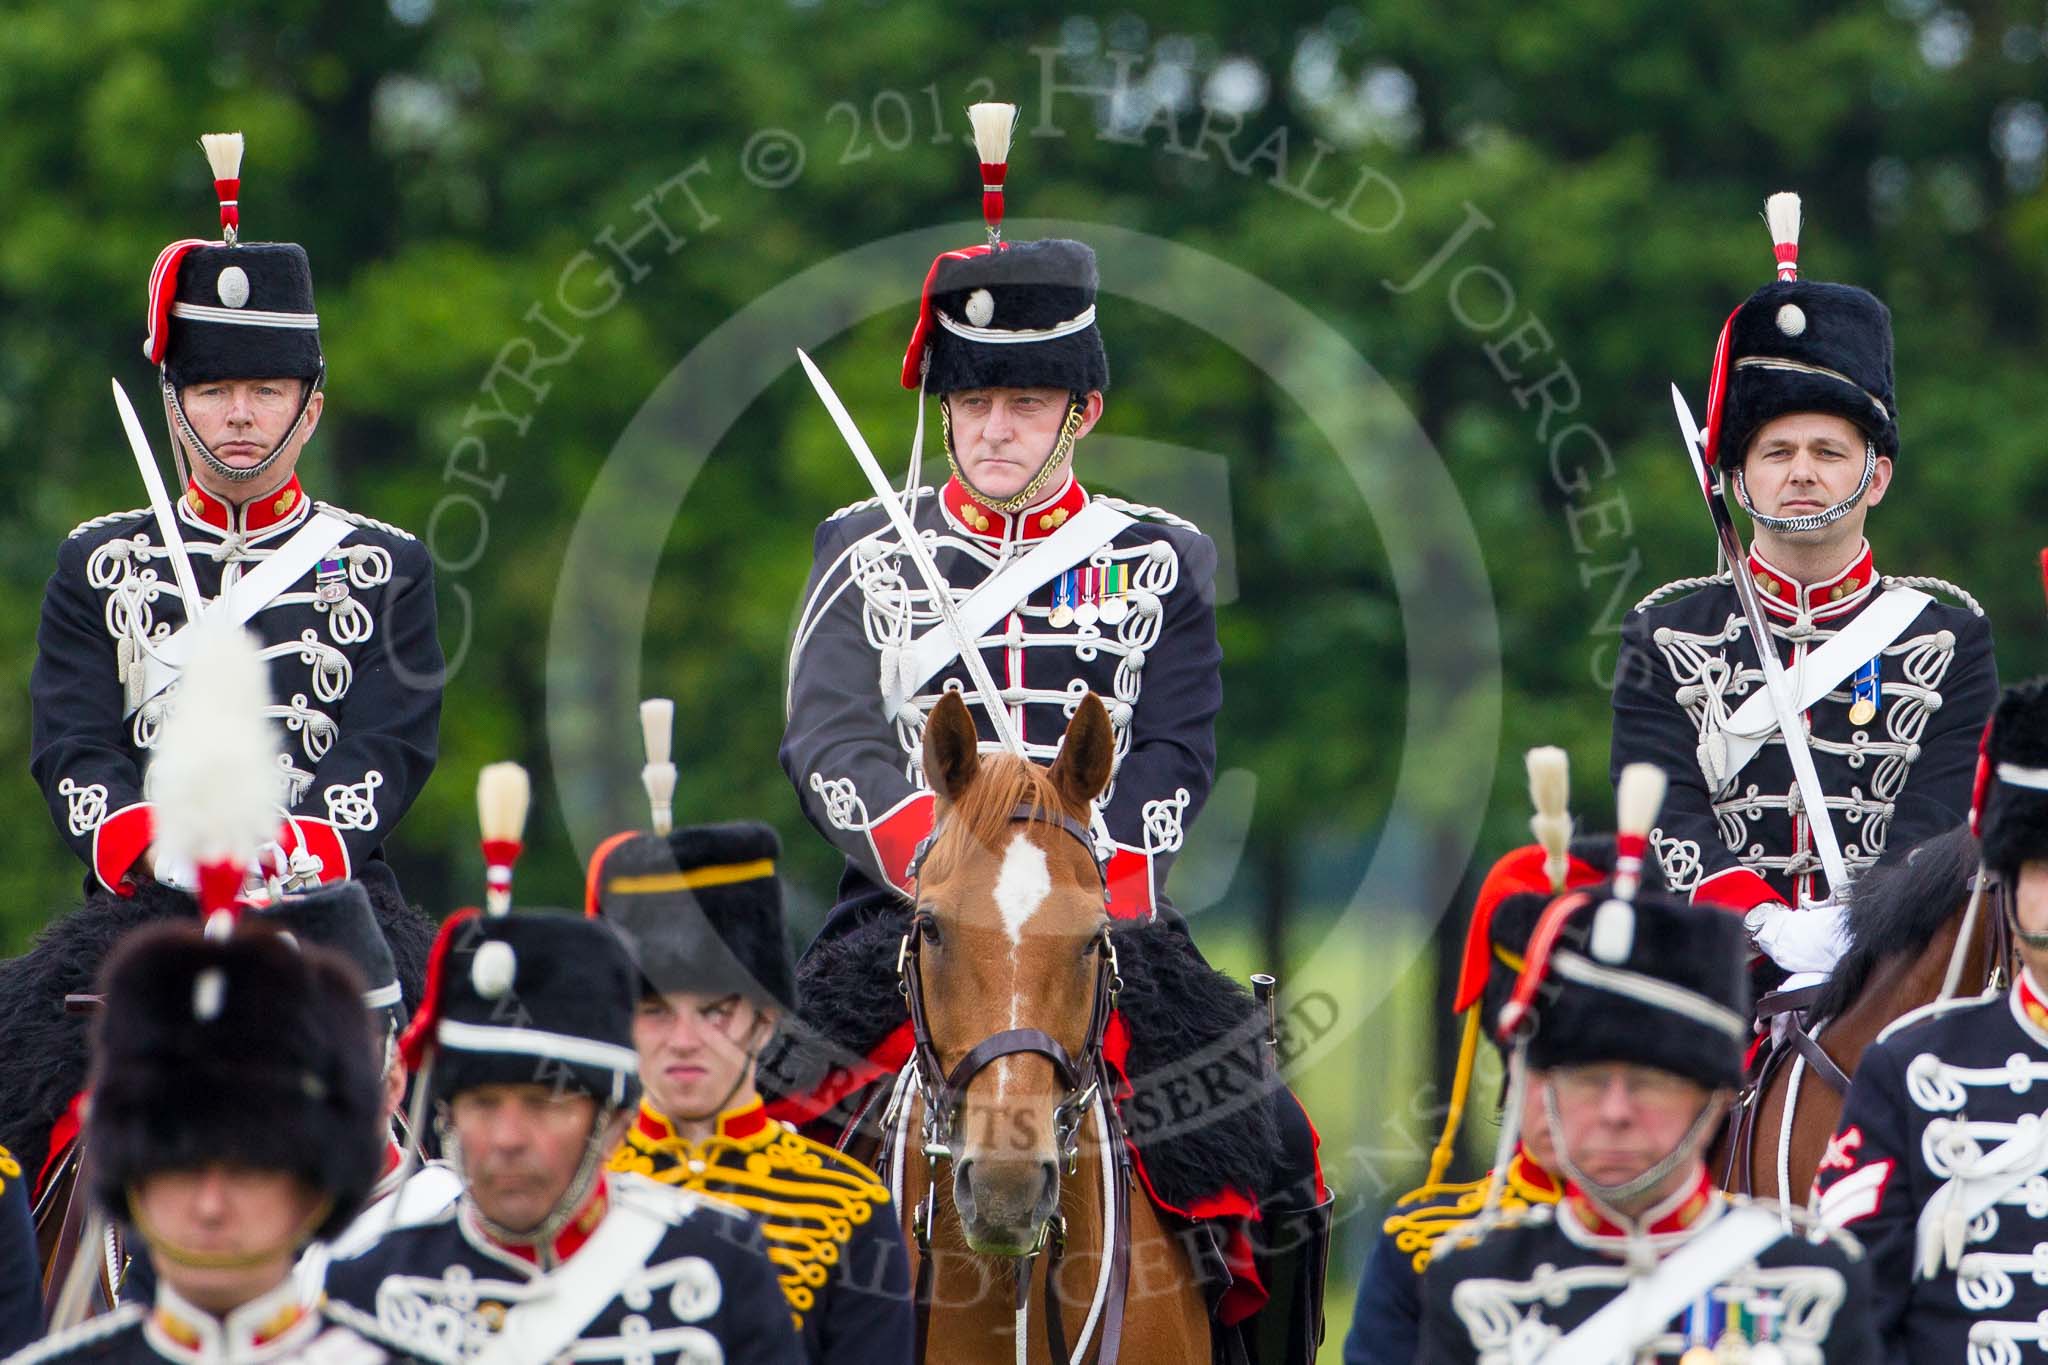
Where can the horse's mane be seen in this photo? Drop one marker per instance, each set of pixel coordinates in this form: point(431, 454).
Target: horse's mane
point(1895, 910)
point(984, 812)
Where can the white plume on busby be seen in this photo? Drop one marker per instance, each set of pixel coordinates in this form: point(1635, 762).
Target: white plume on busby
point(1550, 790)
point(503, 794)
point(658, 776)
point(215, 780)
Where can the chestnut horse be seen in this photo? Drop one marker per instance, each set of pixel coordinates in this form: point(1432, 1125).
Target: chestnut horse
point(1903, 922)
point(1017, 1198)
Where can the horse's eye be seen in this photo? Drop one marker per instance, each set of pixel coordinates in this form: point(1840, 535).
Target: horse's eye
point(928, 927)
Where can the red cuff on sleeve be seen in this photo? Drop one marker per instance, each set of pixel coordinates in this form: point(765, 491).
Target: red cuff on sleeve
point(119, 840)
point(1130, 884)
point(1736, 889)
point(320, 839)
point(896, 836)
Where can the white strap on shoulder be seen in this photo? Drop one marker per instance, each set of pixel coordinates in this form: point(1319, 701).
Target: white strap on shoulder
point(1645, 1309)
point(265, 584)
point(1092, 528)
point(539, 1329)
point(1882, 622)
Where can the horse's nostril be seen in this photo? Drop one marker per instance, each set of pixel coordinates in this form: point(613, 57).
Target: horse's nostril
point(1049, 1192)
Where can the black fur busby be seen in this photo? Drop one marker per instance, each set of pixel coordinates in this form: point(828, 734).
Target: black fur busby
point(44, 1065)
point(247, 1050)
point(242, 312)
point(982, 310)
point(702, 911)
point(1805, 346)
point(2014, 819)
point(528, 999)
point(337, 916)
point(1679, 1001)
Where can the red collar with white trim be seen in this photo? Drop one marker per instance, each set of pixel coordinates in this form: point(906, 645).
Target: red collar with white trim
point(1677, 1213)
point(258, 514)
point(1033, 523)
point(1840, 592)
point(569, 1240)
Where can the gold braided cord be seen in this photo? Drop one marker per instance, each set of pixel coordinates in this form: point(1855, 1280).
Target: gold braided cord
point(1461, 1086)
point(1023, 498)
point(1417, 1231)
point(808, 1197)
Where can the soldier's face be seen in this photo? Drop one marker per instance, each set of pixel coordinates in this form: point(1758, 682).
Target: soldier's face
point(1616, 1120)
point(1803, 463)
point(521, 1146)
point(222, 1235)
point(2030, 908)
point(1001, 437)
point(697, 1052)
point(242, 421)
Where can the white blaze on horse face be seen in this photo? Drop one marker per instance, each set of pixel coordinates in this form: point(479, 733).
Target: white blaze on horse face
point(1022, 884)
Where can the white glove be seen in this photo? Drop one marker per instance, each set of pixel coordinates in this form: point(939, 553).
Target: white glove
point(1812, 939)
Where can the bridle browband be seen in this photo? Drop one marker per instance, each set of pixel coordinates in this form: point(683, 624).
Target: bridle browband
point(942, 1093)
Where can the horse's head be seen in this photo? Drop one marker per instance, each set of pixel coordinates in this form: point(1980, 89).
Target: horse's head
point(1011, 928)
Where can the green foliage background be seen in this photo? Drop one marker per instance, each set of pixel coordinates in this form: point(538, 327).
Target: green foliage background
point(445, 163)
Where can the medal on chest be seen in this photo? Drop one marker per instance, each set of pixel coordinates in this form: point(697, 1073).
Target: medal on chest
point(1115, 589)
point(1088, 611)
point(1865, 694)
point(1062, 614)
point(330, 581)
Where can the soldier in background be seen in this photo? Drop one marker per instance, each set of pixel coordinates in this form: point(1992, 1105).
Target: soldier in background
point(702, 910)
point(343, 605)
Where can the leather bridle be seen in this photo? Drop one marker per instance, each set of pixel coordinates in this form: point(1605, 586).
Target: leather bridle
point(1083, 1079)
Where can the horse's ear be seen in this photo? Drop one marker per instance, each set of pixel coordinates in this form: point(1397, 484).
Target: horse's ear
point(1087, 755)
point(952, 753)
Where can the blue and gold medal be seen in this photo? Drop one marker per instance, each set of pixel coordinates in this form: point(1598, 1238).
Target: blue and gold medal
point(1866, 695)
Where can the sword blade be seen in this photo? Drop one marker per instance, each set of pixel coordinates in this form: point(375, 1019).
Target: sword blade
point(920, 555)
point(1791, 725)
point(159, 503)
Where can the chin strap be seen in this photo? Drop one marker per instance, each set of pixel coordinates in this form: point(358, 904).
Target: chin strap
point(1785, 525)
point(183, 436)
point(1615, 1195)
point(168, 1250)
point(541, 1236)
point(1062, 451)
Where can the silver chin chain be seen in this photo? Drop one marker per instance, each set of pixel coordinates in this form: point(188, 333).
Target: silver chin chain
point(1613, 1195)
point(182, 428)
point(1783, 525)
point(573, 1198)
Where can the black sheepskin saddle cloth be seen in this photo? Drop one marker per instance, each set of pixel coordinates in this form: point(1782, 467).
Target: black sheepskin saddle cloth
point(1187, 1048)
point(43, 1066)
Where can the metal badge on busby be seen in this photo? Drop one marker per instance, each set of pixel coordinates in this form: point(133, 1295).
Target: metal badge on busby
point(700, 907)
point(231, 310)
point(238, 1048)
point(1801, 346)
point(338, 916)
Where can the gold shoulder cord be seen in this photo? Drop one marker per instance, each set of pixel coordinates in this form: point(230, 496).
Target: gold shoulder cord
point(1417, 1232)
point(1062, 449)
